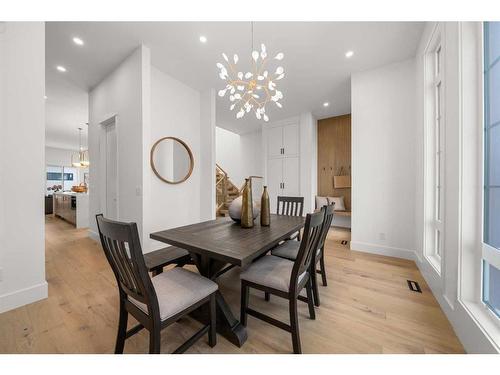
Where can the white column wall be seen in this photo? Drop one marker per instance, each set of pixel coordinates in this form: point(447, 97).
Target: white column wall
point(22, 140)
point(120, 94)
point(383, 160)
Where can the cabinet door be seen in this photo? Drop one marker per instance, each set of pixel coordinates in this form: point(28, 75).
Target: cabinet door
point(274, 142)
point(291, 140)
point(55, 200)
point(291, 177)
point(66, 207)
point(274, 180)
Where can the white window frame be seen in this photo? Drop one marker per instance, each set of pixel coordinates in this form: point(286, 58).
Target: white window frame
point(469, 292)
point(489, 253)
point(434, 149)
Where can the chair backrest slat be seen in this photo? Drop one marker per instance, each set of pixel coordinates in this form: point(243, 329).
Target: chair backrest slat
point(129, 267)
point(290, 206)
point(329, 212)
point(308, 245)
point(121, 245)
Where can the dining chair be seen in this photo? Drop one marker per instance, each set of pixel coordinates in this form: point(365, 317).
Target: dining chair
point(285, 279)
point(155, 302)
point(290, 249)
point(291, 206)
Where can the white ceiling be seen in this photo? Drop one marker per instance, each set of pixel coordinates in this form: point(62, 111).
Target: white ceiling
point(315, 64)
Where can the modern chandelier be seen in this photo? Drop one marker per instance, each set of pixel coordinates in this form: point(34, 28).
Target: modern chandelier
point(252, 90)
point(80, 158)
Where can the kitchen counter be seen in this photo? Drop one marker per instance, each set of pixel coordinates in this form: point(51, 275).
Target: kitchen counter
point(72, 207)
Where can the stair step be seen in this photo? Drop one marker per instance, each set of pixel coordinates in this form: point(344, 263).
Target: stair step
point(231, 190)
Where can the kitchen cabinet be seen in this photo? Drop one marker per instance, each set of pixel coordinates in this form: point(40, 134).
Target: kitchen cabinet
point(63, 207)
point(72, 207)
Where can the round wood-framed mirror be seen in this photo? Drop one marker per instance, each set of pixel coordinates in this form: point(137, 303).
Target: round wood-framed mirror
point(171, 160)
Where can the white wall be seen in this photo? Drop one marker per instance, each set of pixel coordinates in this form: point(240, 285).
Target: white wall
point(148, 105)
point(121, 93)
point(175, 112)
point(383, 160)
point(240, 155)
point(22, 139)
point(308, 132)
point(207, 152)
point(58, 156)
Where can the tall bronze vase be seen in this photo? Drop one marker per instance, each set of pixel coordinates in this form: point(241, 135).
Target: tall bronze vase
point(265, 211)
point(247, 205)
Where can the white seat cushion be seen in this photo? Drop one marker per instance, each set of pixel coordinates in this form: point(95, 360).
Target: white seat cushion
point(177, 289)
point(271, 271)
point(288, 250)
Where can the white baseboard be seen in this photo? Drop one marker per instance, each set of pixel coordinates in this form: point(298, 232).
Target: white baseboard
point(465, 324)
point(383, 250)
point(23, 297)
point(93, 235)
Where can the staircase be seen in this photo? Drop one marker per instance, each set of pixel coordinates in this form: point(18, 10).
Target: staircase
point(225, 191)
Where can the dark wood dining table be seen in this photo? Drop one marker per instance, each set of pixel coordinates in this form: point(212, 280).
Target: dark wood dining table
point(221, 244)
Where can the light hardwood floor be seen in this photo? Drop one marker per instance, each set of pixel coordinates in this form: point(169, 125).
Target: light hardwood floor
point(366, 308)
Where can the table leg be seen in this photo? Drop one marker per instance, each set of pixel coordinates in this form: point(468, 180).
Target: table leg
point(227, 325)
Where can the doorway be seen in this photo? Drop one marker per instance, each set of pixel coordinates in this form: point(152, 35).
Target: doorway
point(110, 170)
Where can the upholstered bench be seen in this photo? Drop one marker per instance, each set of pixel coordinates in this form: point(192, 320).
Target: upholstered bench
point(156, 260)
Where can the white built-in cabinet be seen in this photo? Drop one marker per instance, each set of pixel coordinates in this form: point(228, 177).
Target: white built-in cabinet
point(282, 160)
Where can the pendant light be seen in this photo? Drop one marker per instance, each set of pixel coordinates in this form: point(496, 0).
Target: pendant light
point(253, 90)
point(80, 159)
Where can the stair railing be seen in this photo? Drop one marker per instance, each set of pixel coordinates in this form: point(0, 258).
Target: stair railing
point(221, 187)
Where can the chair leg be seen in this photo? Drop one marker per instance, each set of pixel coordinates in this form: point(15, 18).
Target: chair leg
point(244, 303)
point(212, 333)
point(314, 285)
point(310, 302)
point(322, 267)
point(267, 296)
point(122, 329)
point(154, 340)
point(294, 325)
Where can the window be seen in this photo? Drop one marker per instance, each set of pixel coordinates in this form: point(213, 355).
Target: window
point(438, 150)
point(434, 146)
point(60, 176)
point(491, 219)
point(57, 176)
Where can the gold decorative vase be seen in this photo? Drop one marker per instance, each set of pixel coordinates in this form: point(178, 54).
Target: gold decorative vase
point(247, 205)
point(265, 211)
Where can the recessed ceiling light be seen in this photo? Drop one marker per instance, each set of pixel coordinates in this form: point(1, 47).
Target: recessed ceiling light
point(349, 54)
point(78, 41)
point(203, 39)
point(326, 104)
point(45, 96)
point(61, 68)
